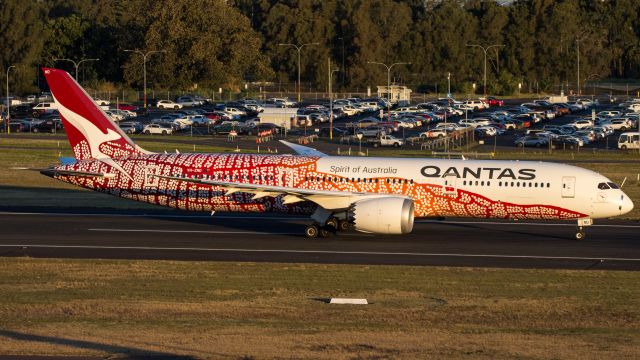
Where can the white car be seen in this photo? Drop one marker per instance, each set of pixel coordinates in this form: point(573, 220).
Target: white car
point(348, 110)
point(114, 116)
point(168, 104)
point(609, 113)
point(434, 133)
point(468, 122)
point(101, 102)
point(476, 104)
point(158, 129)
point(582, 123)
point(621, 124)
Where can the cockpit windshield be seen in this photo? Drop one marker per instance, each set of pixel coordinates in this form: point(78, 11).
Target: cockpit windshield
point(607, 185)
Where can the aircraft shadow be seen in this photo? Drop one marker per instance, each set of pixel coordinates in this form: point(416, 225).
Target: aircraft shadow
point(129, 352)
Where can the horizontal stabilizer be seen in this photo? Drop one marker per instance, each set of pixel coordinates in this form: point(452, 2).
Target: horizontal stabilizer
point(58, 172)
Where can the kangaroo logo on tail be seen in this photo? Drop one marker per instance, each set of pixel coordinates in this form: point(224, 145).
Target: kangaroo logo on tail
point(92, 134)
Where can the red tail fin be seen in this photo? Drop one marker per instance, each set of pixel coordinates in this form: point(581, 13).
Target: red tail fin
point(92, 134)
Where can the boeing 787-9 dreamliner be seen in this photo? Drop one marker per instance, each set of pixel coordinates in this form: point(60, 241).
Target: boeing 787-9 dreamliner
point(369, 194)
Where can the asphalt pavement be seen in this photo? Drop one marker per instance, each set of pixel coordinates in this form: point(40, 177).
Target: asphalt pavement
point(274, 238)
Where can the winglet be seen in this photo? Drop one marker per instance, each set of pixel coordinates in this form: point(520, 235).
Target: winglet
point(304, 150)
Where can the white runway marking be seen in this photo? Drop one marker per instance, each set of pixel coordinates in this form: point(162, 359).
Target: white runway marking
point(168, 216)
point(194, 231)
point(321, 252)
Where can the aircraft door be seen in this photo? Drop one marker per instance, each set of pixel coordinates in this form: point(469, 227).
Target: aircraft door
point(450, 185)
point(568, 186)
point(149, 179)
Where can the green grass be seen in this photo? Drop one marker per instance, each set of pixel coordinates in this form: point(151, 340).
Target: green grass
point(271, 311)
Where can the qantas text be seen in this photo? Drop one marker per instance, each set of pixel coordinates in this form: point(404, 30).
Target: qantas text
point(477, 173)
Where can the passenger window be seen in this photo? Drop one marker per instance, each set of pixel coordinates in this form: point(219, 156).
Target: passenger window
point(613, 185)
point(603, 186)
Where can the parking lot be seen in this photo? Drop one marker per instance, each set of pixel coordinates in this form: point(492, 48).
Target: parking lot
point(437, 124)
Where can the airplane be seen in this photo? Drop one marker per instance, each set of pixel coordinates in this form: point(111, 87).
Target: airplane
point(369, 194)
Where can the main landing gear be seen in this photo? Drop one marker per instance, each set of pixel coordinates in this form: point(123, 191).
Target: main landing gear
point(331, 226)
point(582, 223)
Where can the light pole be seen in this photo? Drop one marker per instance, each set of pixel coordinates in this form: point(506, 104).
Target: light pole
point(299, 47)
point(485, 49)
point(144, 69)
point(76, 64)
point(388, 82)
point(8, 101)
point(331, 71)
point(449, 85)
point(343, 68)
point(578, 56)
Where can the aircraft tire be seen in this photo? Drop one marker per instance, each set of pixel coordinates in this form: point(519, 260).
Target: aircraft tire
point(324, 232)
point(343, 225)
point(580, 234)
point(333, 223)
point(311, 231)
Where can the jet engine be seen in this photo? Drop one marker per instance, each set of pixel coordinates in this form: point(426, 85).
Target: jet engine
point(386, 215)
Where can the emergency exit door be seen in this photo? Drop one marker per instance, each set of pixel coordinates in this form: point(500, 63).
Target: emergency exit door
point(568, 186)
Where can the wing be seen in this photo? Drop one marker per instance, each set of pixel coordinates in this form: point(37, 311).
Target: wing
point(304, 150)
point(328, 199)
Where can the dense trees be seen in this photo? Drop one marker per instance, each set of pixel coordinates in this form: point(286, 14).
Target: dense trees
point(218, 43)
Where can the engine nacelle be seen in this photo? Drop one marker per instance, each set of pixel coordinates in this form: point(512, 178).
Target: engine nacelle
point(385, 215)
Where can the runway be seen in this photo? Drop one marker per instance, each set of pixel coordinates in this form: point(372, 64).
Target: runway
point(268, 238)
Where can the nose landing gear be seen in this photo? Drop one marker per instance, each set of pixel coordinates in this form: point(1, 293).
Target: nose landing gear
point(582, 223)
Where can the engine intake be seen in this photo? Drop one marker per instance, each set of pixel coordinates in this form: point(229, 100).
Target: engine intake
point(387, 215)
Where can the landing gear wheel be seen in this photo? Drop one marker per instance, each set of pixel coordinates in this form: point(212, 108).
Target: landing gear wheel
point(324, 232)
point(343, 225)
point(332, 223)
point(580, 234)
point(311, 231)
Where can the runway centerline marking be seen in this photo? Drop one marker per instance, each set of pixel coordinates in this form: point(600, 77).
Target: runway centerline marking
point(322, 252)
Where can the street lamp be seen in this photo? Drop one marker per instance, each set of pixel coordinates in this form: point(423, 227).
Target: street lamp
point(144, 68)
point(331, 102)
point(388, 82)
point(299, 47)
point(343, 68)
point(449, 85)
point(76, 64)
point(485, 49)
point(8, 101)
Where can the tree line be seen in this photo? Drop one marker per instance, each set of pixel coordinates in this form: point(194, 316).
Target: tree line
point(207, 44)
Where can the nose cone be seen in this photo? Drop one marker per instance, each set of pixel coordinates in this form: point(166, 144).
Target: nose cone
point(626, 205)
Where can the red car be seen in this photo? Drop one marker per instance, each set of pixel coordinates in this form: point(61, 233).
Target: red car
point(128, 107)
point(492, 101)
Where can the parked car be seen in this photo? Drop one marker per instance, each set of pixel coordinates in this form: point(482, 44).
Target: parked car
point(159, 129)
point(188, 100)
point(224, 128)
point(493, 101)
point(52, 125)
point(168, 104)
point(621, 124)
point(530, 141)
point(131, 127)
point(582, 123)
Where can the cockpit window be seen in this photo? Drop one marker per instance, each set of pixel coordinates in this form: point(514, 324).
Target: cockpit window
point(613, 185)
point(603, 186)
